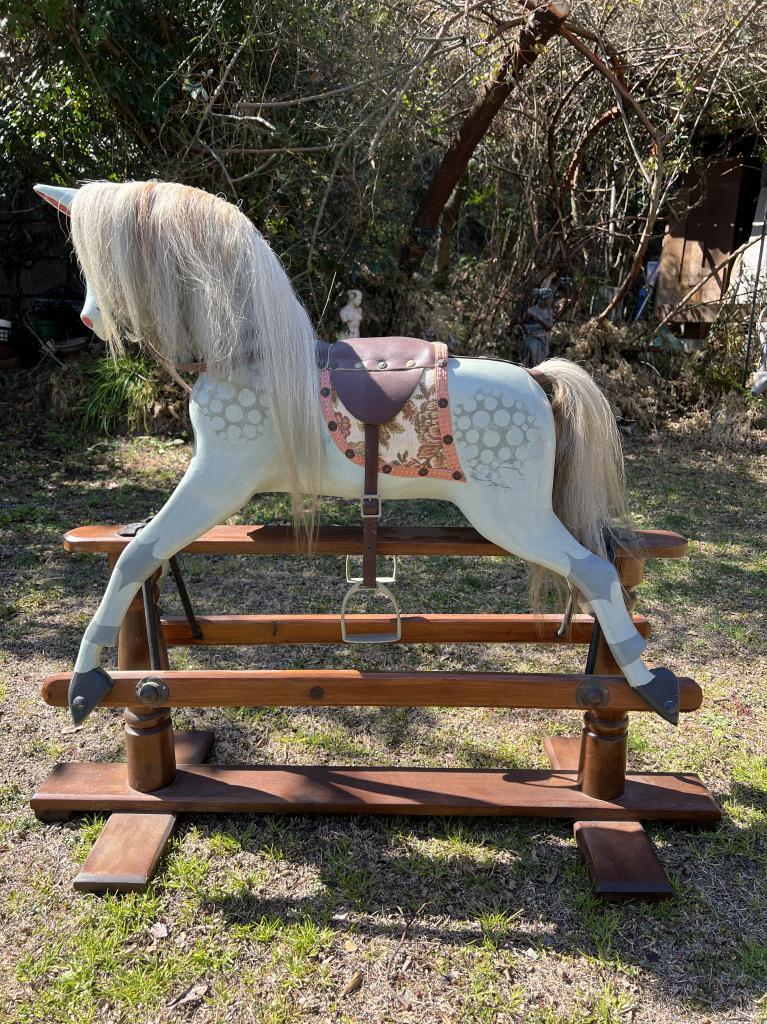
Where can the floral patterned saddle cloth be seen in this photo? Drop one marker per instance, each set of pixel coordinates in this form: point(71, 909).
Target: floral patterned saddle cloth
point(418, 441)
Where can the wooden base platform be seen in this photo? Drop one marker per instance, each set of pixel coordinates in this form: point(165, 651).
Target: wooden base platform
point(280, 789)
point(125, 856)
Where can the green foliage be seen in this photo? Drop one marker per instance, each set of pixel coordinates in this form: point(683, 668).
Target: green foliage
point(119, 390)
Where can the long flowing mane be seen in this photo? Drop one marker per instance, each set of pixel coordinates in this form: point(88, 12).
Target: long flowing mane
point(188, 277)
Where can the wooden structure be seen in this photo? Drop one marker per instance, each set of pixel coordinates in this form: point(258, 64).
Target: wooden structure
point(165, 773)
point(714, 211)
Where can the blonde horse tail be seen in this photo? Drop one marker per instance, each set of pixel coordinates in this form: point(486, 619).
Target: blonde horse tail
point(589, 493)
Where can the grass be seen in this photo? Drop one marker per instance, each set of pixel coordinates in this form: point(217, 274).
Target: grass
point(269, 920)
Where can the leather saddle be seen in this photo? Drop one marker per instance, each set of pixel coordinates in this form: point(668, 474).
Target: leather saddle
point(374, 378)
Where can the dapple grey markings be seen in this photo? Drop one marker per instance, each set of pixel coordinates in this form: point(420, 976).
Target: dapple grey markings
point(595, 576)
point(235, 411)
point(495, 433)
point(626, 652)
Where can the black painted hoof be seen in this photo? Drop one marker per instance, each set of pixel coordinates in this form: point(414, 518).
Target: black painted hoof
point(662, 694)
point(86, 691)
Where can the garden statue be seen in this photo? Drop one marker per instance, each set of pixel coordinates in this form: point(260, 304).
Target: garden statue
point(537, 327)
point(186, 276)
point(351, 315)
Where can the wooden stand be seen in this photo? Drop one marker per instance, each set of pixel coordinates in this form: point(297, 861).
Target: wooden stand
point(164, 774)
point(125, 856)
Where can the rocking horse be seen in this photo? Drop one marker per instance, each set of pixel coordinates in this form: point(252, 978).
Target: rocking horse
point(539, 475)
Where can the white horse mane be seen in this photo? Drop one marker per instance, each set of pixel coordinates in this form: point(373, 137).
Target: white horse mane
point(188, 277)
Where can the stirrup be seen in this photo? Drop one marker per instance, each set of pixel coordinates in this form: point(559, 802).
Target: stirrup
point(371, 638)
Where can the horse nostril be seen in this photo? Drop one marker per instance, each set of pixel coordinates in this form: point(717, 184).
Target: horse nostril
point(86, 320)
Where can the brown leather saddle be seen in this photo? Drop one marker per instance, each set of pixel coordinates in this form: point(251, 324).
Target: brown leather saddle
point(374, 378)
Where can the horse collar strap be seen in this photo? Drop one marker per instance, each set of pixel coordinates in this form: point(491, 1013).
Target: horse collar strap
point(374, 378)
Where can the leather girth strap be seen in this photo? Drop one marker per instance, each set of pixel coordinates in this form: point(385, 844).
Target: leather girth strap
point(371, 507)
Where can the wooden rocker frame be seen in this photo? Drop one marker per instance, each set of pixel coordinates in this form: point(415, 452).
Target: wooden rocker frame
point(165, 773)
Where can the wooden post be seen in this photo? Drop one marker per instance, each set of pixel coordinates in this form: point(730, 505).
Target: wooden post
point(602, 764)
point(604, 739)
point(148, 731)
point(150, 749)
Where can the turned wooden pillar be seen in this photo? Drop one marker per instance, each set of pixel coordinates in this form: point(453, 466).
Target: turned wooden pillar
point(604, 739)
point(604, 745)
point(149, 745)
point(148, 730)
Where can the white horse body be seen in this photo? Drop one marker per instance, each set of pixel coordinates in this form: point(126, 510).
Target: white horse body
point(505, 439)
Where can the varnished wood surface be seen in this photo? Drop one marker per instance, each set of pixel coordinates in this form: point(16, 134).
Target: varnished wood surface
point(416, 629)
point(347, 540)
point(294, 789)
point(128, 849)
point(125, 856)
point(621, 861)
point(348, 687)
point(563, 752)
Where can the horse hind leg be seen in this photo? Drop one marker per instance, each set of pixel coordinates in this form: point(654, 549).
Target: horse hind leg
point(540, 537)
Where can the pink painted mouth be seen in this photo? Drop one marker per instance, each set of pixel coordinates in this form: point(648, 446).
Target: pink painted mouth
point(87, 321)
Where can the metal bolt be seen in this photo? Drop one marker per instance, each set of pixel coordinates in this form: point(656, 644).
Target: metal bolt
point(591, 695)
point(152, 692)
point(316, 692)
point(79, 704)
point(382, 365)
point(670, 705)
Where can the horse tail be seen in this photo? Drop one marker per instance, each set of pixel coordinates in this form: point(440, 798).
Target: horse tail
point(589, 492)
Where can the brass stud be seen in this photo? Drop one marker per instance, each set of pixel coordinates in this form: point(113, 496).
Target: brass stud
point(410, 363)
point(383, 365)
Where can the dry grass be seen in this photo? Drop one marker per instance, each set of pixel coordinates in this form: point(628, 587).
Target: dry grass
point(444, 920)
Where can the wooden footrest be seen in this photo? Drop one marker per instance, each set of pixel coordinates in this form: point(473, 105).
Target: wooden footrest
point(275, 789)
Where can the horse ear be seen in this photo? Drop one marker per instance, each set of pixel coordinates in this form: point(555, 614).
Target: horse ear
point(61, 198)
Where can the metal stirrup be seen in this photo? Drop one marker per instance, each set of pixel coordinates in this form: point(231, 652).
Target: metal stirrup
point(371, 638)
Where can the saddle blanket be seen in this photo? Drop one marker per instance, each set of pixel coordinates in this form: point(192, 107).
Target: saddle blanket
point(416, 442)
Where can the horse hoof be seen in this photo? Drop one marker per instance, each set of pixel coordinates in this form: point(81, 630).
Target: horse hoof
point(662, 694)
point(86, 691)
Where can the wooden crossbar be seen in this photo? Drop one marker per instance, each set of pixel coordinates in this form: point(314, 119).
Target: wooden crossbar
point(220, 630)
point(347, 540)
point(344, 687)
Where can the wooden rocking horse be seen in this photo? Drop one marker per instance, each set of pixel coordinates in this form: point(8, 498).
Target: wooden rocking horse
point(187, 276)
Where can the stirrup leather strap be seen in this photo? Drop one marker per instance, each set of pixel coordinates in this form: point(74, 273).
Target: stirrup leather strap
point(371, 507)
point(371, 513)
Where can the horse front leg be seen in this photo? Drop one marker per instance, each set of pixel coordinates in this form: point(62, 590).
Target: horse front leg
point(215, 486)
